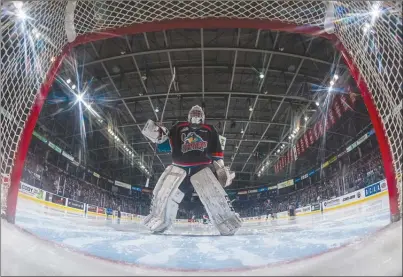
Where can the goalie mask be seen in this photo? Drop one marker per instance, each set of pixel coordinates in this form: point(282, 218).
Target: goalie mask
point(196, 115)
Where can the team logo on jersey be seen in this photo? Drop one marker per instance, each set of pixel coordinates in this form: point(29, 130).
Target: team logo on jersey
point(192, 142)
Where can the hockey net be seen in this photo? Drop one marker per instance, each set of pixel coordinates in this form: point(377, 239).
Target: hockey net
point(37, 35)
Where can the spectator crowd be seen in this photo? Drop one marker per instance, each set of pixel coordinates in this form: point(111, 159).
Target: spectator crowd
point(57, 181)
point(365, 171)
point(336, 182)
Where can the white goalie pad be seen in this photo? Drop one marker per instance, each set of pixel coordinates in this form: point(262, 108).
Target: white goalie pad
point(216, 202)
point(155, 133)
point(166, 197)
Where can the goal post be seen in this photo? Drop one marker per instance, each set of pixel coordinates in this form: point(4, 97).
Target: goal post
point(384, 147)
point(36, 35)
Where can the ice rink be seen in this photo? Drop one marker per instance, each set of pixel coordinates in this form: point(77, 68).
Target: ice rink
point(355, 240)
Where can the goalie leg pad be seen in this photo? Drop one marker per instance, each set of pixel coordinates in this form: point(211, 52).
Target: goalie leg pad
point(216, 202)
point(159, 224)
point(166, 197)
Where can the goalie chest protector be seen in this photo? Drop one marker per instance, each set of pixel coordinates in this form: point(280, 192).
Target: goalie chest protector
point(194, 145)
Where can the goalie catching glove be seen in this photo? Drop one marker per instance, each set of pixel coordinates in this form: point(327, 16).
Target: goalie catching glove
point(224, 175)
point(155, 133)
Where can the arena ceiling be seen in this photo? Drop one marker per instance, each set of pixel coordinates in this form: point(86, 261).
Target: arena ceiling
point(253, 85)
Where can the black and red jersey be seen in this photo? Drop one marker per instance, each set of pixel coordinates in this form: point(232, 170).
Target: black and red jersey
point(193, 145)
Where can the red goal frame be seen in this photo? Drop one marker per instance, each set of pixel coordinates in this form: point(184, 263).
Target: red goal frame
point(198, 24)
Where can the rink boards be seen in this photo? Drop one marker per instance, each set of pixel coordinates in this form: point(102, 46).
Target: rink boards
point(47, 199)
point(373, 191)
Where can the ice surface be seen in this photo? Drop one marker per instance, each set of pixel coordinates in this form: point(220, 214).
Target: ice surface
point(60, 243)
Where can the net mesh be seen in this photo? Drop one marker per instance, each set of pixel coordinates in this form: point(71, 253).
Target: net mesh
point(29, 48)
point(374, 42)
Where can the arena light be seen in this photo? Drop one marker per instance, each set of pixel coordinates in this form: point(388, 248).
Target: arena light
point(242, 131)
point(306, 118)
point(73, 86)
point(331, 82)
point(250, 108)
point(36, 33)
point(21, 14)
point(278, 150)
point(157, 110)
point(366, 28)
point(79, 97)
point(336, 77)
point(261, 75)
point(376, 11)
point(289, 137)
point(68, 81)
point(317, 103)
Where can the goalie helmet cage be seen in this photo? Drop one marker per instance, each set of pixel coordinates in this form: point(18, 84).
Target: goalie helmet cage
point(38, 35)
